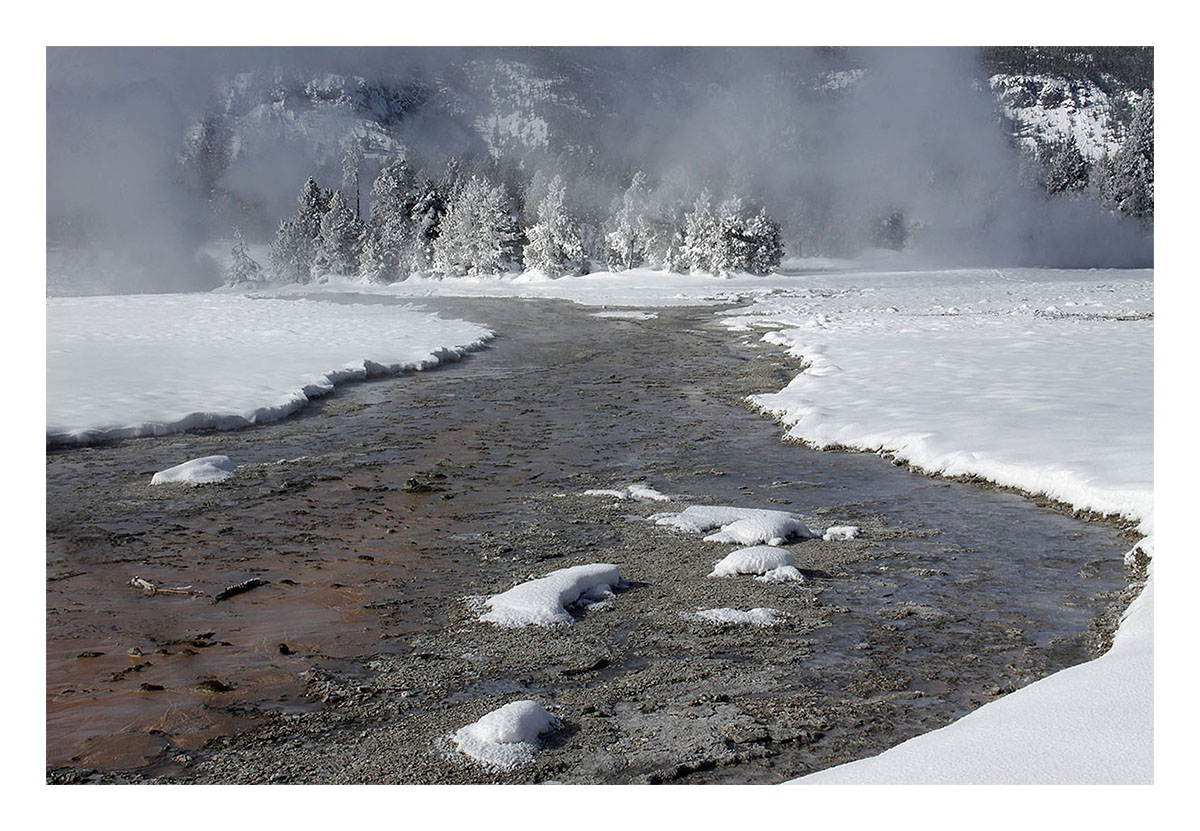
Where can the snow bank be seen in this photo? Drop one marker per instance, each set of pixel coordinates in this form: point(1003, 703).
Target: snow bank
point(543, 602)
point(1087, 725)
point(152, 364)
point(745, 526)
point(205, 470)
point(1036, 379)
point(980, 373)
point(775, 565)
point(754, 617)
point(841, 532)
point(508, 737)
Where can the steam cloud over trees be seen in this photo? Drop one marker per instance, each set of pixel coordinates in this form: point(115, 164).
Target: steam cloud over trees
point(463, 161)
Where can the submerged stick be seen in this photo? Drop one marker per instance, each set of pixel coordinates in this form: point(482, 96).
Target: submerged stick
point(245, 586)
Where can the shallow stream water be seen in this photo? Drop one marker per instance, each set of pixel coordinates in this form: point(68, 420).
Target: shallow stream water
point(953, 595)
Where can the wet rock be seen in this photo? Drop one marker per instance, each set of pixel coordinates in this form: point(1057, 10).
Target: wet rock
point(415, 485)
point(213, 685)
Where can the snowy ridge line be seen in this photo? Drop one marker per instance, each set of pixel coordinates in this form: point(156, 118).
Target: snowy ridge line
point(295, 401)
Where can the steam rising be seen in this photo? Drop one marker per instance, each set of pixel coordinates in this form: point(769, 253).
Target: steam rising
point(829, 140)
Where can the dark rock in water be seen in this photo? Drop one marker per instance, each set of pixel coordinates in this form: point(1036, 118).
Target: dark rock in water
point(415, 485)
point(213, 685)
point(284, 649)
point(150, 687)
point(89, 654)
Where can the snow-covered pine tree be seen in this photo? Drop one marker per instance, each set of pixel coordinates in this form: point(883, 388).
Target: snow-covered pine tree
point(1065, 169)
point(747, 241)
point(297, 241)
point(1129, 180)
point(427, 212)
point(314, 202)
point(478, 233)
point(554, 245)
point(701, 235)
point(767, 246)
point(243, 268)
point(733, 249)
point(891, 230)
point(627, 239)
point(388, 242)
point(341, 232)
point(292, 251)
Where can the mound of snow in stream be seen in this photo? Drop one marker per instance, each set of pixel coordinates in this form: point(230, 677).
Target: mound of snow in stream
point(772, 564)
point(640, 492)
point(744, 526)
point(841, 532)
point(754, 617)
point(202, 471)
point(153, 364)
point(507, 737)
point(544, 601)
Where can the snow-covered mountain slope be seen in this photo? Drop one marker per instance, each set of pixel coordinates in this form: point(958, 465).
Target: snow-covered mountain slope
point(1049, 109)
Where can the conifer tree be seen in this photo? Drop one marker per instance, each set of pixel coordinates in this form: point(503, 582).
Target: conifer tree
point(292, 252)
point(389, 239)
point(1066, 170)
point(701, 235)
point(243, 268)
point(554, 244)
point(1129, 180)
point(338, 252)
point(427, 211)
point(767, 247)
point(628, 239)
point(478, 233)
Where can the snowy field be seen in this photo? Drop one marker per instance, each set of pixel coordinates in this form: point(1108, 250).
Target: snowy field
point(152, 364)
point(1036, 379)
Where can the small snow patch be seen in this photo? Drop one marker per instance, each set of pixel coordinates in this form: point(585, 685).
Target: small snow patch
point(507, 737)
point(543, 602)
point(638, 491)
point(645, 493)
point(747, 526)
point(630, 315)
point(782, 574)
point(841, 532)
point(756, 617)
point(615, 494)
point(202, 471)
point(774, 564)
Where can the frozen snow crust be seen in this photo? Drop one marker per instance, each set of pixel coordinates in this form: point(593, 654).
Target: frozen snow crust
point(543, 602)
point(153, 364)
point(746, 526)
point(202, 471)
point(507, 737)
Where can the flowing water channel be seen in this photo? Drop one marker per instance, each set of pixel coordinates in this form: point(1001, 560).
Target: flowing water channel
point(358, 654)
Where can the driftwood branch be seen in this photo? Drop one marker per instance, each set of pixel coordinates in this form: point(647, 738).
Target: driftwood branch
point(245, 586)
